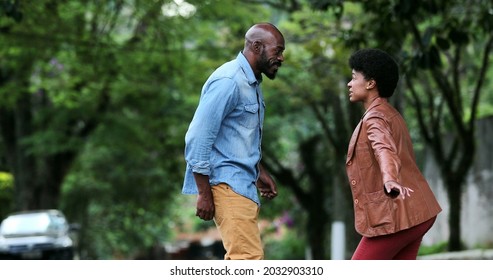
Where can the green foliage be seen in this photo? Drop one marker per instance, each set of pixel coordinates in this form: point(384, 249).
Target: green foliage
point(116, 84)
point(287, 246)
point(437, 248)
point(6, 181)
point(6, 193)
point(442, 247)
point(11, 9)
point(132, 197)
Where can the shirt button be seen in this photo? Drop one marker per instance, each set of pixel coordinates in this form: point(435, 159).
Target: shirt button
point(356, 201)
point(353, 182)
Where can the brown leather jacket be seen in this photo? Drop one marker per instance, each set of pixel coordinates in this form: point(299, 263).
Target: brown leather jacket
point(381, 150)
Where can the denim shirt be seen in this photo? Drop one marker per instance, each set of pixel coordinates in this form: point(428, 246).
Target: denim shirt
point(223, 140)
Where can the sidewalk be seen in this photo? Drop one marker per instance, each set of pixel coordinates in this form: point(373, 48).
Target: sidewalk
point(478, 254)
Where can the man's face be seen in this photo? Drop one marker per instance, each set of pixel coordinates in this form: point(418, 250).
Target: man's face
point(271, 59)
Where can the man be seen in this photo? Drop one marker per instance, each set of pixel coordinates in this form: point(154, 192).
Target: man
point(223, 144)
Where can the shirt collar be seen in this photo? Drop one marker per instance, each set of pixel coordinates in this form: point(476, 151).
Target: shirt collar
point(247, 69)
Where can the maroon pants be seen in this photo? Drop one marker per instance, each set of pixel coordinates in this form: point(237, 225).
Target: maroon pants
point(402, 245)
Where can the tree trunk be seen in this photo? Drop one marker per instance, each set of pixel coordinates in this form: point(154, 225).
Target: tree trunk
point(37, 179)
point(454, 196)
point(317, 231)
point(23, 163)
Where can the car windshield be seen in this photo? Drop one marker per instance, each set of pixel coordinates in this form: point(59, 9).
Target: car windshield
point(26, 224)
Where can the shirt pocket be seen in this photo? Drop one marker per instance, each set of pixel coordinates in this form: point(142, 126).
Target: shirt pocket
point(249, 117)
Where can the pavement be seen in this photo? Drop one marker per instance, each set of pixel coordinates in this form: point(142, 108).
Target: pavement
point(477, 254)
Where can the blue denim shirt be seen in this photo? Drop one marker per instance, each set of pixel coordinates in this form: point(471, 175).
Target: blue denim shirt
point(223, 140)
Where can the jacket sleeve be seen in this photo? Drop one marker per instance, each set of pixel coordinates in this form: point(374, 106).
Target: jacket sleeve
point(384, 148)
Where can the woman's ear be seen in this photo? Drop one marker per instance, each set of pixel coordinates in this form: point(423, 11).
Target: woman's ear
point(370, 84)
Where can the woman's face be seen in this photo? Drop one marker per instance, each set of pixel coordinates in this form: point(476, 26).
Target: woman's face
point(358, 91)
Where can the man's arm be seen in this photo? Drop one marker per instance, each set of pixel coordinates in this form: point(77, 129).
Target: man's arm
point(218, 100)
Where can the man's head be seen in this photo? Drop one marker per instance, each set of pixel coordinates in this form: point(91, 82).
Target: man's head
point(264, 47)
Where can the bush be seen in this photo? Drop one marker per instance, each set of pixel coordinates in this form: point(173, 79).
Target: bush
point(289, 246)
point(6, 193)
point(434, 249)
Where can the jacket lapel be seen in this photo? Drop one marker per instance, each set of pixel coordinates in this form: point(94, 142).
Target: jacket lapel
point(354, 137)
point(352, 142)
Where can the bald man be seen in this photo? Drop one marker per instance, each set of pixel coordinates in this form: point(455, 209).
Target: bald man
point(223, 144)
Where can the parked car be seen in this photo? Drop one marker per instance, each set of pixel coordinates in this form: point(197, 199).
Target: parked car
point(40, 234)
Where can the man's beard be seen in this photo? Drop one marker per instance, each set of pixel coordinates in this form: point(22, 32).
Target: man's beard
point(265, 66)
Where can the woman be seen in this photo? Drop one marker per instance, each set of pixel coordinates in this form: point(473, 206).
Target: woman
point(394, 206)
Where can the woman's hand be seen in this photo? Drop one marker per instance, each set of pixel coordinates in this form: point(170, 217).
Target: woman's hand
point(393, 188)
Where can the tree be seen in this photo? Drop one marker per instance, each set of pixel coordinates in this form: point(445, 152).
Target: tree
point(437, 44)
point(74, 75)
point(46, 113)
point(93, 101)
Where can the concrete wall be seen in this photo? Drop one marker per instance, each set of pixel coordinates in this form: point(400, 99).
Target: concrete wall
point(477, 206)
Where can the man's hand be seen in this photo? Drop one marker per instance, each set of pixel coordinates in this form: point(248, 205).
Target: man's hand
point(266, 185)
point(267, 191)
point(205, 200)
point(205, 206)
point(392, 187)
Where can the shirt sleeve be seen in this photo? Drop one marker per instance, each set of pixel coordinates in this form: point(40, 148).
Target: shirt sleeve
point(384, 148)
point(218, 99)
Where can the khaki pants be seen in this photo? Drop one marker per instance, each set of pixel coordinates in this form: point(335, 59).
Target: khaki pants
point(236, 218)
